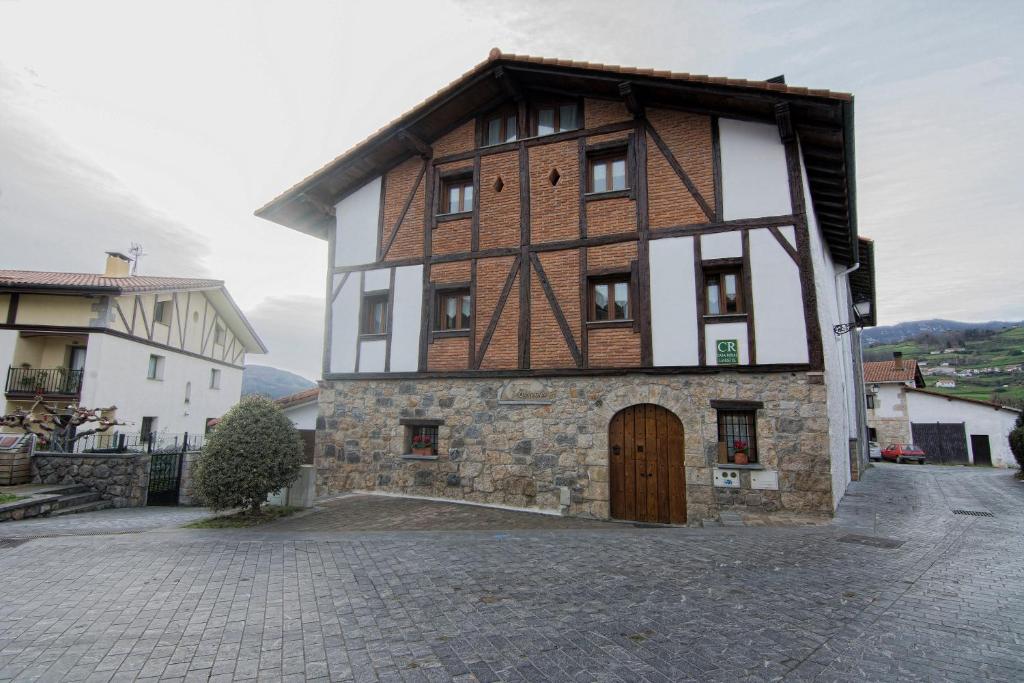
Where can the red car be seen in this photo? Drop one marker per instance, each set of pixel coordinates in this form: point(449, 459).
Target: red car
point(903, 452)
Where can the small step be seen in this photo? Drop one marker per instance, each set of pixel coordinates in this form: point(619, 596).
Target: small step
point(85, 507)
point(69, 490)
point(76, 499)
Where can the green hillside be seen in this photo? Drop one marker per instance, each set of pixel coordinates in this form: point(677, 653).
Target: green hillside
point(996, 349)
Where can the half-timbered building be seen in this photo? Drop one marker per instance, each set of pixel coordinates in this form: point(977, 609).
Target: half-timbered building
point(168, 352)
point(597, 290)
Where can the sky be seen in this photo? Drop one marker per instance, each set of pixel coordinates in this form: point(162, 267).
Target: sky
point(169, 123)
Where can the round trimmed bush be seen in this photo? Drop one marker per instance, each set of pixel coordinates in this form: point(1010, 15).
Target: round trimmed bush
point(1017, 441)
point(254, 451)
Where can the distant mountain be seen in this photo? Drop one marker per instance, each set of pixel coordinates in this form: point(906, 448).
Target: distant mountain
point(893, 334)
point(272, 382)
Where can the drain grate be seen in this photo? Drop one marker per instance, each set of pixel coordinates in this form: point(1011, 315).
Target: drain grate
point(13, 542)
point(974, 513)
point(872, 541)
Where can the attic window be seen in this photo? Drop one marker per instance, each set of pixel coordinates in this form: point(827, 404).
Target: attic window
point(554, 177)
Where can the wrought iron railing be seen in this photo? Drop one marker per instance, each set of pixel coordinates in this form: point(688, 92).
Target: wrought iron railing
point(47, 381)
point(128, 442)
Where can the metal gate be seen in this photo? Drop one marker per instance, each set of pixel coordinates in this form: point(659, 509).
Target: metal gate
point(164, 478)
point(943, 442)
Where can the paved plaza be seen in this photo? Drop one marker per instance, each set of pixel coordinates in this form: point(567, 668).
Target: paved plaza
point(898, 587)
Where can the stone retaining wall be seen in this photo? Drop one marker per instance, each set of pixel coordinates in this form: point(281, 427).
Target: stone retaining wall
point(122, 478)
point(530, 455)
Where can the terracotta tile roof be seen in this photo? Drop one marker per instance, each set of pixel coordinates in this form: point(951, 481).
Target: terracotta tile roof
point(307, 396)
point(91, 281)
point(886, 371)
point(990, 404)
point(497, 55)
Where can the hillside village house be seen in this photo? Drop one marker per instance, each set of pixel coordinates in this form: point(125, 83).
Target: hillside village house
point(167, 351)
point(598, 290)
point(950, 429)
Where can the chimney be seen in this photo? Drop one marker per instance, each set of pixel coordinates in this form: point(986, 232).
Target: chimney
point(897, 359)
point(117, 265)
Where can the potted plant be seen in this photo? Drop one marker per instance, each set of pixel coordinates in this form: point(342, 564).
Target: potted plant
point(740, 452)
point(422, 445)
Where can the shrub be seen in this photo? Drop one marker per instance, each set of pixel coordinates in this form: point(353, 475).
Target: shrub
point(1017, 441)
point(253, 452)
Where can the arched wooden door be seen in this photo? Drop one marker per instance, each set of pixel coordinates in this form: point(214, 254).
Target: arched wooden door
point(646, 473)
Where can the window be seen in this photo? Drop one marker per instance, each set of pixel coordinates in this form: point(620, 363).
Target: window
point(499, 127)
point(609, 298)
point(162, 312)
point(425, 436)
point(219, 334)
point(723, 291)
point(375, 314)
point(188, 392)
point(737, 432)
point(555, 118)
point(211, 422)
point(457, 195)
point(214, 378)
point(607, 172)
point(872, 434)
point(148, 431)
point(156, 368)
point(870, 401)
point(454, 310)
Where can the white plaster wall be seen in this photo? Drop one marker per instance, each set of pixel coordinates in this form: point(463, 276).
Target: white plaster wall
point(345, 325)
point(755, 181)
point(8, 340)
point(673, 302)
point(889, 401)
point(371, 355)
point(376, 279)
point(838, 363)
point(779, 330)
point(303, 416)
point(713, 333)
point(356, 219)
point(115, 374)
point(721, 245)
point(978, 419)
point(405, 324)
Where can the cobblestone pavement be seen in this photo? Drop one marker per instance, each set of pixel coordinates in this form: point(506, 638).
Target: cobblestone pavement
point(944, 600)
point(386, 513)
point(113, 521)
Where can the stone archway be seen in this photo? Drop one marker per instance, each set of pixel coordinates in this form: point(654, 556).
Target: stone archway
point(647, 477)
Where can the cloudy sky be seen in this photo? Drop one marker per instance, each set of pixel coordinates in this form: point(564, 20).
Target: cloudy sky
point(168, 123)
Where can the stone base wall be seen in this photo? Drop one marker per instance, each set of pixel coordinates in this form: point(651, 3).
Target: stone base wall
point(121, 478)
point(553, 454)
point(891, 430)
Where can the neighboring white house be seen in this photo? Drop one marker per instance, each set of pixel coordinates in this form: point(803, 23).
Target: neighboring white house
point(946, 384)
point(887, 413)
point(985, 426)
point(167, 351)
point(951, 429)
point(302, 409)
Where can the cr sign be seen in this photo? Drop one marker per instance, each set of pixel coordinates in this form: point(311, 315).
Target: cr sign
point(728, 352)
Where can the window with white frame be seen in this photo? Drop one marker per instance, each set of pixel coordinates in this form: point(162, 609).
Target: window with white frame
point(156, 367)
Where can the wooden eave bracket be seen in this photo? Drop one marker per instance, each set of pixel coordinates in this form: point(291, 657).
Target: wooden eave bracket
point(632, 99)
point(508, 84)
point(784, 120)
point(415, 144)
point(325, 209)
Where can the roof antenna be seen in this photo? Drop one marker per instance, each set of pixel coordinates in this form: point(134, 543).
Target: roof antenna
point(136, 253)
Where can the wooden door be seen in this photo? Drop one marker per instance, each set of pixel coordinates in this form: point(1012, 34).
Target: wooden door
point(981, 449)
point(647, 479)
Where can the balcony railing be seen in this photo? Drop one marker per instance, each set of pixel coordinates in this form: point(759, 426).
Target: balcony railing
point(46, 381)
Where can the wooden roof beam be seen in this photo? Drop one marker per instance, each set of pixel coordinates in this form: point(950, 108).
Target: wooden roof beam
point(320, 206)
point(508, 84)
point(632, 99)
point(415, 144)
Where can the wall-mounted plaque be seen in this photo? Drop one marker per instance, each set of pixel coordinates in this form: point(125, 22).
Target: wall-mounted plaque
point(526, 392)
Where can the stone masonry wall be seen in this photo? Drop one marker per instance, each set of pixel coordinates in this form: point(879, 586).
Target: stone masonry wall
point(120, 478)
point(522, 455)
